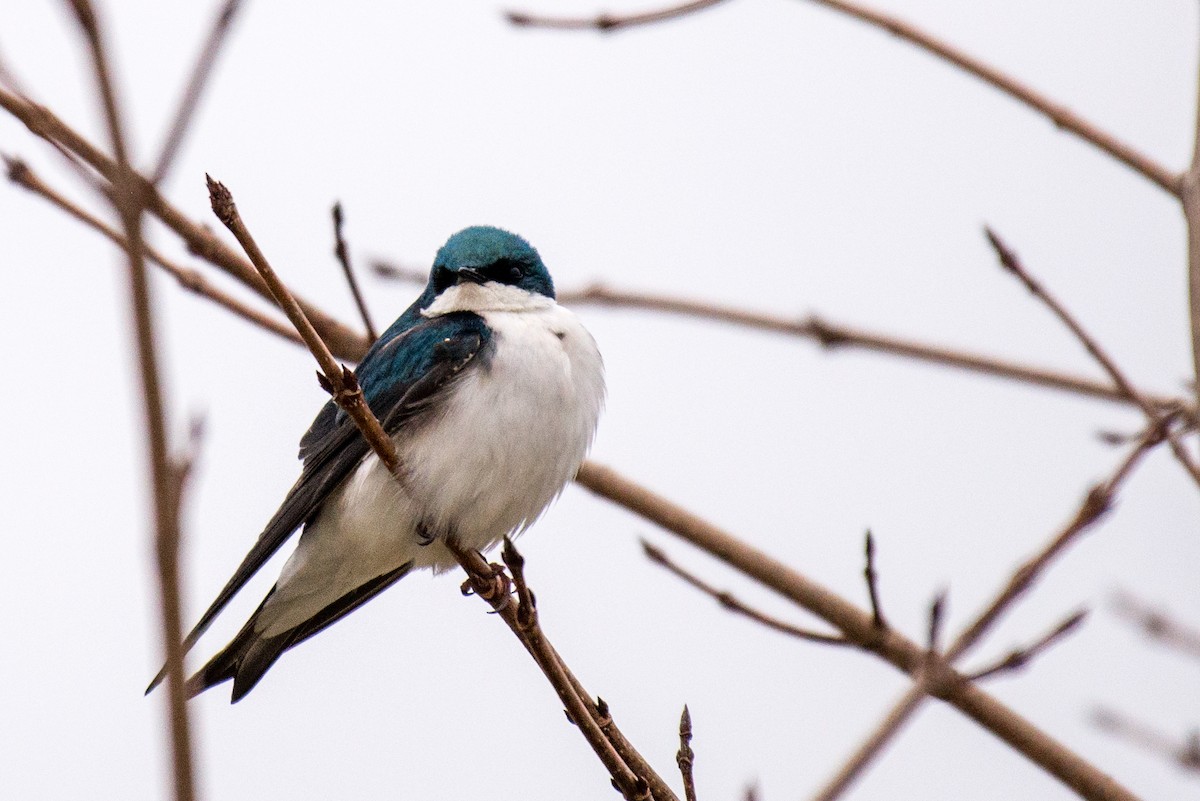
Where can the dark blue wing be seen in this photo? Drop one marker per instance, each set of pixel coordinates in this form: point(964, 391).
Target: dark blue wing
point(400, 377)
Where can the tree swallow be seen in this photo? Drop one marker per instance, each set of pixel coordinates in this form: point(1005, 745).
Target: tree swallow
point(491, 392)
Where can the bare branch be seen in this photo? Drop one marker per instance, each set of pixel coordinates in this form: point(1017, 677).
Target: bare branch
point(1157, 624)
point(1059, 114)
point(607, 23)
point(343, 256)
point(166, 477)
point(400, 272)
point(727, 600)
point(832, 335)
point(686, 757)
point(1009, 260)
point(490, 584)
point(200, 240)
point(190, 98)
point(858, 625)
point(1020, 657)
point(1186, 754)
point(21, 174)
point(872, 579)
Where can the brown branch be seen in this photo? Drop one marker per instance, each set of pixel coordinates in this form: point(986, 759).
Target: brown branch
point(1186, 755)
point(200, 240)
point(831, 335)
point(729, 601)
point(191, 280)
point(1012, 263)
point(1157, 624)
point(338, 380)
point(1189, 196)
point(857, 625)
point(1094, 505)
point(490, 584)
point(607, 23)
point(1059, 114)
point(343, 256)
point(190, 98)
point(167, 477)
point(686, 757)
point(1020, 657)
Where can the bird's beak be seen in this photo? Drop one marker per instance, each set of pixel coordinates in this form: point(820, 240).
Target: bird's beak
point(473, 276)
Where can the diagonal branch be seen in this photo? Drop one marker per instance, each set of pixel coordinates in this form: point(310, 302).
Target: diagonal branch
point(190, 98)
point(1158, 421)
point(858, 625)
point(1059, 114)
point(199, 239)
point(22, 175)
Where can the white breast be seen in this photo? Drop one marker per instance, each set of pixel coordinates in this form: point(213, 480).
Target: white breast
point(509, 434)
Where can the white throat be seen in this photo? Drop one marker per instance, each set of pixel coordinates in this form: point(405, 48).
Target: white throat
point(491, 296)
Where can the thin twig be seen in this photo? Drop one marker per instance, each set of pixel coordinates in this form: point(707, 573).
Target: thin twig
point(1020, 657)
point(343, 256)
point(22, 175)
point(730, 602)
point(833, 335)
point(858, 625)
point(607, 23)
point(686, 757)
point(1186, 754)
point(1060, 115)
point(190, 98)
point(1157, 624)
point(872, 579)
point(1012, 263)
point(166, 477)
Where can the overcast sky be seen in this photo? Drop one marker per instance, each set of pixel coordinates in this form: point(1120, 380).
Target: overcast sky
point(767, 154)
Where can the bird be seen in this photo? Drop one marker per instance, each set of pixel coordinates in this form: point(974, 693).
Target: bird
point(491, 392)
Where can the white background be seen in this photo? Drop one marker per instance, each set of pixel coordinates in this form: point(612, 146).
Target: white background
point(766, 154)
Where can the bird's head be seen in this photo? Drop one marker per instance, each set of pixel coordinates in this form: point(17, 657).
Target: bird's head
point(482, 255)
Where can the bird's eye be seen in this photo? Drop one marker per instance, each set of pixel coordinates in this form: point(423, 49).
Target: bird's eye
point(442, 279)
point(515, 273)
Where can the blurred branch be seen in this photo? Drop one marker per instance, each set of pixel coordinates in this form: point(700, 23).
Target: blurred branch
point(21, 174)
point(199, 239)
point(1012, 263)
point(1185, 755)
point(686, 757)
point(607, 22)
point(194, 89)
point(832, 335)
point(872, 579)
point(1157, 624)
point(1059, 114)
point(1189, 196)
point(1020, 657)
point(728, 601)
point(167, 478)
point(343, 256)
point(858, 626)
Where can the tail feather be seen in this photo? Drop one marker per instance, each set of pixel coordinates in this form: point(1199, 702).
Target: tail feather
point(250, 655)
